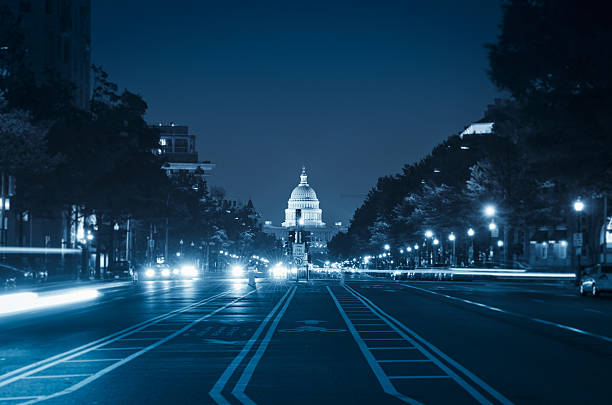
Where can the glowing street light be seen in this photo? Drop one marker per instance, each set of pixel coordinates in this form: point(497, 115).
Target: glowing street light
point(409, 249)
point(471, 232)
point(500, 243)
point(451, 237)
point(416, 247)
point(402, 251)
point(387, 247)
point(578, 205)
point(489, 211)
point(436, 241)
point(428, 234)
point(492, 226)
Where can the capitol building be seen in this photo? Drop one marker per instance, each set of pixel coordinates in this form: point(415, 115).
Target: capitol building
point(303, 198)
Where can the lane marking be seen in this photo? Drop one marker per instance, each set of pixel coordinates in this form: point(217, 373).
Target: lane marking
point(216, 391)
point(483, 385)
point(382, 378)
point(18, 398)
point(117, 348)
point(406, 361)
point(131, 357)
point(90, 360)
point(96, 342)
point(247, 373)
point(55, 376)
point(416, 377)
point(516, 314)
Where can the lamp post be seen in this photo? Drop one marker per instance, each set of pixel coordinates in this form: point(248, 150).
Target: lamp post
point(434, 252)
point(579, 207)
point(489, 212)
point(471, 234)
point(452, 238)
point(428, 235)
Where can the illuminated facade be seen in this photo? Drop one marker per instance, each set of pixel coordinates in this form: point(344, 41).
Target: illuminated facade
point(303, 198)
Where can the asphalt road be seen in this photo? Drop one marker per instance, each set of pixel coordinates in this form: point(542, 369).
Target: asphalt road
point(324, 342)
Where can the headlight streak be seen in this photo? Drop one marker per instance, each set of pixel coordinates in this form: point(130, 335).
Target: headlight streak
point(28, 301)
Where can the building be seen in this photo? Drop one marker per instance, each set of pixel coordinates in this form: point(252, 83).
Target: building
point(178, 148)
point(57, 37)
point(303, 200)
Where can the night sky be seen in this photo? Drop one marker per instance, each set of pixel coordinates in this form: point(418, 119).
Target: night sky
point(353, 90)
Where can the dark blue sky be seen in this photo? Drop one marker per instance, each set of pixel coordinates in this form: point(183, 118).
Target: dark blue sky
point(353, 90)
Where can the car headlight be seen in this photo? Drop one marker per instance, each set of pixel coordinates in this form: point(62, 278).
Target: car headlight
point(165, 272)
point(189, 271)
point(237, 271)
point(149, 273)
point(175, 271)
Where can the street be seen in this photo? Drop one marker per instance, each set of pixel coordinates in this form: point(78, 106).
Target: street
point(362, 341)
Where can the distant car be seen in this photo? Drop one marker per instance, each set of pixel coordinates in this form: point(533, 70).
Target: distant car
point(11, 277)
point(153, 272)
point(596, 279)
point(119, 269)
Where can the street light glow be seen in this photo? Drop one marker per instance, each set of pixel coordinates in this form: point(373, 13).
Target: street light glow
point(492, 226)
point(428, 234)
point(409, 249)
point(387, 247)
point(416, 247)
point(436, 241)
point(470, 232)
point(451, 237)
point(500, 243)
point(578, 205)
point(489, 210)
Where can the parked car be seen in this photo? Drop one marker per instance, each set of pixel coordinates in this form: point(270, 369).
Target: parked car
point(153, 272)
point(119, 269)
point(596, 279)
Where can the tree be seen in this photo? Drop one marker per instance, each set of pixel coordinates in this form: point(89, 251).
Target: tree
point(553, 57)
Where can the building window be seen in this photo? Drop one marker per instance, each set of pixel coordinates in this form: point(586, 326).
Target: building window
point(542, 251)
point(180, 145)
point(561, 250)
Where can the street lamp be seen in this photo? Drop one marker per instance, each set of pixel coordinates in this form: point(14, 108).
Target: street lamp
point(387, 247)
point(492, 226)
point(489, 211)
point(471, 234)
point(428, 234)
point(579, 207)
point(452, 238)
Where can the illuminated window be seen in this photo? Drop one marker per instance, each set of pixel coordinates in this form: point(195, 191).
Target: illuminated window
point(542, 250)
point(560, 250)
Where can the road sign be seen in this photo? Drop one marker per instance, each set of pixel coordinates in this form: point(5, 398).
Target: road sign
point(299, 249)
point(578, 239)
point(298, 260)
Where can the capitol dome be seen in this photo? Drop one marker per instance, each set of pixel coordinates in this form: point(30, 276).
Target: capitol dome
point(303, 192)
point(303, 198)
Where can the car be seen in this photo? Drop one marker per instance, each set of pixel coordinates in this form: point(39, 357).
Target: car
point(12, 277)
point(119, 269)
point(596, 279)
point(158, 271)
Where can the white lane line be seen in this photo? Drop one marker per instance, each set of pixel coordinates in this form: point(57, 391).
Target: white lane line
point(516, 314)
point(90, 360)
point(216, 390)
point(247, 373)
point(55, 376)
point(382, 378)
point(416, 377)
point(389, 319)
point(406, 361)
point(18, 398)
point(131, 357)
point(117, 348)
point(5, 376)
point(392, 348)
